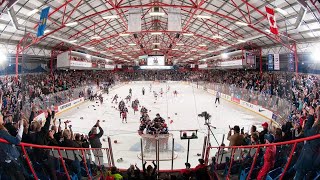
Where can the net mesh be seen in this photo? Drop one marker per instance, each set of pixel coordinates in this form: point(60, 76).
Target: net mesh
point(149, 147)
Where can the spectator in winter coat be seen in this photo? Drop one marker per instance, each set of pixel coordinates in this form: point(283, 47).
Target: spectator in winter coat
point(236, 139)
point(263, 132)
point(94, 139)
point(133, 172)
point(269, 157)
point(309, 156)
point(187, 172)
point(201, 170)
point(149, 173)
point(9, 162)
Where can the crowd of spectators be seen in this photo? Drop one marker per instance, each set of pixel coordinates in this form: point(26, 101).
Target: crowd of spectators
point(301, 91)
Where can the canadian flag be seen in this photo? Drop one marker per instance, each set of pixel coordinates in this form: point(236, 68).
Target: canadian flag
point(272, 20)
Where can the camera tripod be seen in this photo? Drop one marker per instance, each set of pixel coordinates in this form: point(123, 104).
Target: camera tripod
point(209, 126)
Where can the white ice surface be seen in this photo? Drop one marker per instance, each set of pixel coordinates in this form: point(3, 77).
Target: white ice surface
point(182, 110)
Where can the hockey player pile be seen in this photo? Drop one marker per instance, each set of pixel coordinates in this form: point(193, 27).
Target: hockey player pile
point(147, 125)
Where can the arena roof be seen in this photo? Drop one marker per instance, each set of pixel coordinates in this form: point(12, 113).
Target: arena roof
point(95, 26)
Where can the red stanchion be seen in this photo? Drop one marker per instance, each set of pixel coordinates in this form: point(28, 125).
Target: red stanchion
point(63, 164)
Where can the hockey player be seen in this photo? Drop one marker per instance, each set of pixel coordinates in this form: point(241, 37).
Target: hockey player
point(124, 113)
point(143, 91)
point(161, 92)
point(128, 98)
point(100, 98)
point(155, 95)
point(168, 88)
point(134, 106)
point(158, 119)
point(115, 98)
point(175, 93)
point(217, 98)
point(143, 110)
point(130, 92)
point(150, 87)
point(121, 107)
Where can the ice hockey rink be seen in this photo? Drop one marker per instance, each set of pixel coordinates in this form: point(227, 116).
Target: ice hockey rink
point(183, 110)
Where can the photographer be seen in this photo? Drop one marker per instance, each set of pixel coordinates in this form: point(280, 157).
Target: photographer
point(94, 139)
point(236, 139)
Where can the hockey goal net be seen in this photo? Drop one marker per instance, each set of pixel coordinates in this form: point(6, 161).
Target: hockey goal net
point(160, 144)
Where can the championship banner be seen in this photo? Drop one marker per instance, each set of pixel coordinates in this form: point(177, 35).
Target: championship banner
point(276, 59)
point(134, 20)
point(174, 19)
point(291, 62)
point(270, 62)
point(43, 21)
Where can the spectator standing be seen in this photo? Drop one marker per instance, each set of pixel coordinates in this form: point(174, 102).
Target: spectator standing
point(269, 157)
point(9, 159)
point(133, 172)
point(236, 139)
point(263, 132)
point(309, 156)
point(201, 171)
point(187, 172)
point(149, 173)
point(94, 139)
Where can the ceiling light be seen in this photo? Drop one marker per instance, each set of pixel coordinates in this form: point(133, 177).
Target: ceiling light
point(222, 47)
point(281, 11)
point(156, 43)
point(175, 49)
point(30, 13)
point(156, 33)
point(90, 47)
point(241, 23)
point(202, 45)
point(193, 50)
point(156, 13)
point(132, 44)
point(71, 24)
point(224, 56)
point(124, 34)
point(187, 34)
point(217, 37)
point(179, 44)
point(211, 51)
point(110, 17)
point(95, 37)
point(73, 41)
point(241, 40)
point(268, 31)
point(156, 49)
point(203, 16)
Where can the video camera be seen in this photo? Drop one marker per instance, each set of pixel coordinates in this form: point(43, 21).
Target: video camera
point(205, 115)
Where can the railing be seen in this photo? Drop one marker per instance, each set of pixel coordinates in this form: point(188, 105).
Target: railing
point(243, 161)
point(246, 161)
point(62, 159)
point(280, 106)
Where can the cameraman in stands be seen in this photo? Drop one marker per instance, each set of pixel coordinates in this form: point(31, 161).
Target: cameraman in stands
point(94, 139)
point(236, 139)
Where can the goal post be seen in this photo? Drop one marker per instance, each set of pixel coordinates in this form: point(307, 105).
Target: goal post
point(157, 147)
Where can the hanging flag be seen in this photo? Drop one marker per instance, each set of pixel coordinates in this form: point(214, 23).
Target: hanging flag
point(276, 59)
point(174, 19)
point(272, 21)
point(134, 20)
point(43, 21)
